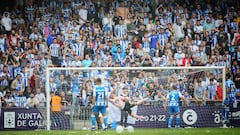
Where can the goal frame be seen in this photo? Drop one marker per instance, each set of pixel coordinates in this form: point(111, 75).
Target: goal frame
point(48, 69)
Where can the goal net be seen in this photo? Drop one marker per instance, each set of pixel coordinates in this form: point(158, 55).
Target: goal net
point(74, 87)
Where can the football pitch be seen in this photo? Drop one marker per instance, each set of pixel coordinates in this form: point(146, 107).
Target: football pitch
point(155, 131)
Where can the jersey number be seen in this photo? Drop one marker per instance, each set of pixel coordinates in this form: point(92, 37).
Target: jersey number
point(100, 95)
point(173, 98)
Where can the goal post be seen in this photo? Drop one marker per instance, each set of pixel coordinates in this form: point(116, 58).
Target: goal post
point(186, 70)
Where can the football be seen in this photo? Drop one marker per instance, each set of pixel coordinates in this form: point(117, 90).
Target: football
point(119, 129)
point(130, 129)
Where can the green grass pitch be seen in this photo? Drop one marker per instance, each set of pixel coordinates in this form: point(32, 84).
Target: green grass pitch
point(155, 131)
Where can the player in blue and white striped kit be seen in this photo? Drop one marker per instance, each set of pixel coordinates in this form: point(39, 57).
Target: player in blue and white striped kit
point(172, 100)
point(99, 103)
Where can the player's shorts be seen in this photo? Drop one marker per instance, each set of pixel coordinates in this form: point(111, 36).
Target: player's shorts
point(128, 107)
point(101, 109)
point(173, 109)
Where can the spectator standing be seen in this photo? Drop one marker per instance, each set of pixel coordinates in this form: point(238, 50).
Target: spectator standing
point(40, 97)
point(55, 52)
point(18, 84)
point(6, 21)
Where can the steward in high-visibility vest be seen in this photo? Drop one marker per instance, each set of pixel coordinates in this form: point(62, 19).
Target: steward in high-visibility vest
point(56, 103)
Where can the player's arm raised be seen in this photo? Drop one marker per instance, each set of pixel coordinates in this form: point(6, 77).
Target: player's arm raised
point(114, 90)
point(165, 101)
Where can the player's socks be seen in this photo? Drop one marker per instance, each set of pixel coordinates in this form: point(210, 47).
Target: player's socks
point(93, 121)
point(105, 120)
point(114, 125)
point(103, 126)
point(170, 121)
point(178, 120)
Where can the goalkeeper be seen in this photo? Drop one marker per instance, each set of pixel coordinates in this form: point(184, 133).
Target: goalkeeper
point(124, 103)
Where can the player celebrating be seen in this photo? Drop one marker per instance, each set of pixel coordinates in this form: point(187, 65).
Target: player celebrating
point(124, 103)
point(99, 104)
point(172, 100)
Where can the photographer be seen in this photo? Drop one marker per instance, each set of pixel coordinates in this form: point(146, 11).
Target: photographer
point(222, 36)
point(127, 61)
point(147, 61)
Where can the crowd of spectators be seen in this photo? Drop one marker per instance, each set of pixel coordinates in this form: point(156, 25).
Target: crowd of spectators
point(112, 33)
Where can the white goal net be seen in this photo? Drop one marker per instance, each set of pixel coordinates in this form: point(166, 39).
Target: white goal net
point(74, 87)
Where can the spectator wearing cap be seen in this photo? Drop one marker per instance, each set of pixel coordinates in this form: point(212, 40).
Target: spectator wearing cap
point(9, 99)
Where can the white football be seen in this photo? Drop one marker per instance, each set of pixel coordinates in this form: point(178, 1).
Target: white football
point(130, 129)
point(119, 129)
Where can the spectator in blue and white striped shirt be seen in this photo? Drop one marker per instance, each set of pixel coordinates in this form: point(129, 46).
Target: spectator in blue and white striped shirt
point(35, 61)
point(55, 52)
point(120, 29)
point(162, 37)
point(78, 47)
point(20, 100)
point(25, 77)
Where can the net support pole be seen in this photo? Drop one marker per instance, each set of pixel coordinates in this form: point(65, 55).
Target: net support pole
point(224, 82)
point(48, 99)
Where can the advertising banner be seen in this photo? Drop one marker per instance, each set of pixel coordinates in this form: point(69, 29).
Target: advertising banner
point(32, 119)
point(194, 116)
point(21, 119)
